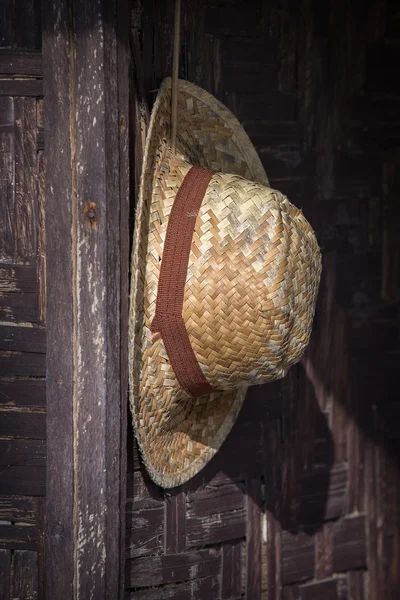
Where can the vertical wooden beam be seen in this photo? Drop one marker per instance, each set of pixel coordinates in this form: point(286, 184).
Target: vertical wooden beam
point(86, 67)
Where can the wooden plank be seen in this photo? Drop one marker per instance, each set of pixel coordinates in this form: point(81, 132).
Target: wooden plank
point(175, 522)
point(349, 544)
point(201, 589)
point(172, 568)
point(24, 537)
point(330, 589)
point(6, 181)
point(17, 508)
point(29, 480)
point(254, 507)
point(22, 364)
point(18, 278)
point(21, 87)
point(356, 585)
point(23, 424)
point(323, 494)
point(23, 467)
point(25, 197)
point(217, 527)
point(19, 307)
point(323, 552)
point(231, 585)
point(5, 573)
point(215, 515)
point(23, 392)
point(23, 339)
point(57, 52)
point(25, 574)
point(298, 556)
point(41, 251)
point(89, 369)
point(144, 532)
point(14, 62)
point(6, 21)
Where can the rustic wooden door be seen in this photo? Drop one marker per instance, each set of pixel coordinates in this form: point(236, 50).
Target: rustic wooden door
point(22, 303)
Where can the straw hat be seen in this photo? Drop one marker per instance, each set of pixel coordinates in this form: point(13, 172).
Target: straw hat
point(235, 302)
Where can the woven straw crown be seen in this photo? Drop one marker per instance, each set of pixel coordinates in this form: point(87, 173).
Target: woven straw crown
point(250, 290)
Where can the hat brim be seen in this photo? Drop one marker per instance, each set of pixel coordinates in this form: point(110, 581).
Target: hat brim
point(210, 136)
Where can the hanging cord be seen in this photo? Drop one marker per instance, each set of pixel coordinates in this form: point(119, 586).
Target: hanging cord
point(175, 73)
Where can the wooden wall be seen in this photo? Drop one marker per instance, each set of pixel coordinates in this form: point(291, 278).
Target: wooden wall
point(303, 500)
point(22, 303)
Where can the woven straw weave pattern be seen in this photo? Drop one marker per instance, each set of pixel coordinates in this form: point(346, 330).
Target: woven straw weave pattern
point(249, 297)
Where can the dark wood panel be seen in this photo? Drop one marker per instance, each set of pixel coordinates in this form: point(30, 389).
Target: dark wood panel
point(254, 511)
point(59, 533)
point(14, 62)
point(331, 589)
point(21, 87)
point(5, 573)
point(23, 392)
point(175, 522)
point(298, 557)
point(17, 508)
point(216, 527)
point(23, 424)
point(22, 364)
point(26, 480)
point(145, 532)
point(19, 308)
point(25, 574)
point(231, 584)
point(25, 195)
point(17, 278)
point(6, 181)
point(15, 536)
point(170, 568)
point(23, 467)
point(87, 377)
point(23, 339)
point(201, 589)
point(349, 544)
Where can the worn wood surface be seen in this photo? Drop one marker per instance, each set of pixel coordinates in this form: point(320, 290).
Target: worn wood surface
point(302, 500)
point(87, 383)
point(22, 335)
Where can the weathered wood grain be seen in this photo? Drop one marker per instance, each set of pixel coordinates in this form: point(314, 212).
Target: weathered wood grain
point(201, 589)
point(175, 522)
point(14, 62)
point(298, 557)
point(330, 589)
point(145, 529)
point(90, 367)
point(174, 568)
point(22, 364)
point(25, 197)
point(22, 467)
point(23, 424)
point(25, 576)
point(5, 573)
point(231, 584)
point(23, 339)
point(22, 509)
point(15, 536)
point(17, 308)
point(23, 392)
point(6, 180)
point(253, 537)
point(21, 87)
point(349, 544)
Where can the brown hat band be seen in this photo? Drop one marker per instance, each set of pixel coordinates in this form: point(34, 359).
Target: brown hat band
point(168, 320)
